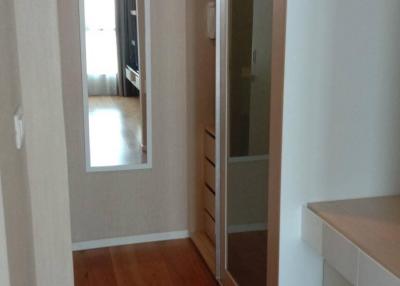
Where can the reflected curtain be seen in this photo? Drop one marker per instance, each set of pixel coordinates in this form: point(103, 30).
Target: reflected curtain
point(120, 16)
point(101, 47)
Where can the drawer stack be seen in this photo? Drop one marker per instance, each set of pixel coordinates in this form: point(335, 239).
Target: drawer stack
point(204, 236)
point(209, 184)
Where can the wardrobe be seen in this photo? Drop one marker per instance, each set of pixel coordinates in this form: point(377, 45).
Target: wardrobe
point(229, 183)
point(202, 94)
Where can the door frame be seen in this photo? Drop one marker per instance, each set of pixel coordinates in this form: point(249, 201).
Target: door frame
point(4, 267)
point(275, 140)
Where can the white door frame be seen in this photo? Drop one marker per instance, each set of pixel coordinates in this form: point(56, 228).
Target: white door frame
point(4, 268)
point(222, 132)
point(148, 104)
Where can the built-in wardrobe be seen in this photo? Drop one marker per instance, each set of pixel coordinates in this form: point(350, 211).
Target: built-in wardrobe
point(202, 91)
point(228, 203)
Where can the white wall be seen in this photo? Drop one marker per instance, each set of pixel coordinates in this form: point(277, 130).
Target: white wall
point(341, 134)
point(13, 189)
point(39, 65)
point(247, 192)
point(117, 204)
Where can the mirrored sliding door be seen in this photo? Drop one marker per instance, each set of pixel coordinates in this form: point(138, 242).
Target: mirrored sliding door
point(249, 63)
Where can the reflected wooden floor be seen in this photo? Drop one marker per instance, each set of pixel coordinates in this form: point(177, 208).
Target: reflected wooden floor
point(169, 263)
point(115, 131)
point(247, 257)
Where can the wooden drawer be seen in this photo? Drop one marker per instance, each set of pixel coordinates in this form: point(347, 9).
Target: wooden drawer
point(209, 227)
point(209, 201)
point(209, 147)
point(209, 174)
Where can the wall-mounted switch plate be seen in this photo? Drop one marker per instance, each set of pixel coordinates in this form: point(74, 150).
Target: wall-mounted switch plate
point(19, 128)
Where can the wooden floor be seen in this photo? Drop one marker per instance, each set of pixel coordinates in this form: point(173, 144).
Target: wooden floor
point(169, 263)
point(247, 257)
point(115, 131)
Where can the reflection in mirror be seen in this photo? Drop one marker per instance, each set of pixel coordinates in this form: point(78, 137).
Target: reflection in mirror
point(249, 97)
point(114, 77)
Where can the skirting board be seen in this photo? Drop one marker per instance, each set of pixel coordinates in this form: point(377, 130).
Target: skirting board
point(238, 228)
point(119, 241)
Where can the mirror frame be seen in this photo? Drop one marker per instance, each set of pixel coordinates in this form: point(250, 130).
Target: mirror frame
point(147, 45)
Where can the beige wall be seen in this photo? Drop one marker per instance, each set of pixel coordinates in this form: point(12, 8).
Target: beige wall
point(39, 62)
point(116, 204)
point(14, 189)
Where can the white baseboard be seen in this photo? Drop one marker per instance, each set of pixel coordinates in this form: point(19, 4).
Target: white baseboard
point(238, 228)
point(118, 241)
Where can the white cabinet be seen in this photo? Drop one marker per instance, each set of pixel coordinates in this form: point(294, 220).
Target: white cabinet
point(340, 253)
point(312, 227)
point(345, 263)
point(373, 274)
point(333, 278)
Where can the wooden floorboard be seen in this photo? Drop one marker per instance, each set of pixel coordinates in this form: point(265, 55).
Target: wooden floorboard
point(115, 131)
point(166, 263)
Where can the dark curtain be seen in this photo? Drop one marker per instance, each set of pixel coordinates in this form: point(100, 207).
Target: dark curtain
point(120, 31)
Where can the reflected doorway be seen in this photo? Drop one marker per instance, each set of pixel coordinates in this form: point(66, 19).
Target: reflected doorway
point(250, 29)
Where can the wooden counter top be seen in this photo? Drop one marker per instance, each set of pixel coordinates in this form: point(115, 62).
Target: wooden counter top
point(372, 224)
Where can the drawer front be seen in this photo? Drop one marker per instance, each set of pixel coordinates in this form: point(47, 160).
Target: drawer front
point(209, 201)
point(209, 227)
point(373, 274)
point(209, 147)
point(209, 174)
point(340, 253)
point(333, 278)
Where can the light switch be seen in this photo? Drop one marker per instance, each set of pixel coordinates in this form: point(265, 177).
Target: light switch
point(19, 128)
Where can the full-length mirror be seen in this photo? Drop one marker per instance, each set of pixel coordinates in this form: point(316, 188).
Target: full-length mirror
point(247, 166)
point(116, 102)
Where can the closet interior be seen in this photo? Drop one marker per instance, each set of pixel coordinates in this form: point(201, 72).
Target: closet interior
point(245, 158)
point(202, 199)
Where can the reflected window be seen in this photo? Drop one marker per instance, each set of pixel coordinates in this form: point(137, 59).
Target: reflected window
point(114, 72)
